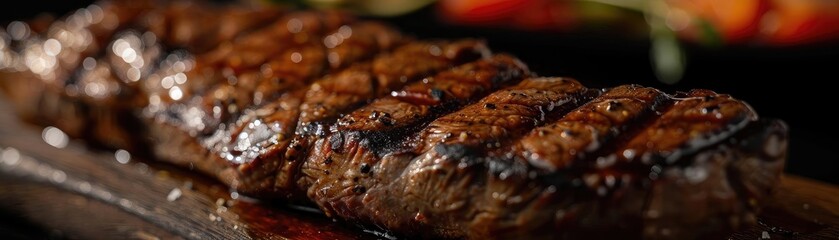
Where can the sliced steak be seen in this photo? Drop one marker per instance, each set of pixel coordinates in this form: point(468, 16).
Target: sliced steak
point(329, 98)
point(351, 181)
point(260, 147)
point(427, 139)
point(482, 172)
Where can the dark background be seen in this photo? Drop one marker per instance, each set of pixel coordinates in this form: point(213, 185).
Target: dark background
point(790, 83)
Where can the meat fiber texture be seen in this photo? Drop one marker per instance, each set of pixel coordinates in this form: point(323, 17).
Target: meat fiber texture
point(418, 138)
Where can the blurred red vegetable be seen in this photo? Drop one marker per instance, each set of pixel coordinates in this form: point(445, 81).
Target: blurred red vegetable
point(522, 14)
point(801, 21)
point(729, 21)
point(708, 22)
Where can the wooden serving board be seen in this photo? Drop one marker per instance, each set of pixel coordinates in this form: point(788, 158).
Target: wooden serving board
point(88, 194)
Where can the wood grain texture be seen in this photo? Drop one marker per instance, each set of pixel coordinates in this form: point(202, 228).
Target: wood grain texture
point(88, 194)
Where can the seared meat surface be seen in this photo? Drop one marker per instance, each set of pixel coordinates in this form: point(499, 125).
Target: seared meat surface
point(421, 138)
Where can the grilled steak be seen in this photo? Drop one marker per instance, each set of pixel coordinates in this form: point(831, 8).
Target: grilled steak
point(428, 139)
point(250, 148)
point(537, 160)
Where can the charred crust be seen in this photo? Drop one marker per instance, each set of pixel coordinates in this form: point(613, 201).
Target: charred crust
point(336, 141)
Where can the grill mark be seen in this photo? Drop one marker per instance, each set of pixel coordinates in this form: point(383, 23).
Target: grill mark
point(313, 27)
point(630, 170)
point(516, 110)
point(245, 87)
point(284, 72)
point(390, 78)
point(607, 180)
point(226, 101)
point(334, 94)
point(587, 130)
point(604, 162)
point(128, 93)
point(388, 121)
point(255, 139)
point(349, 160)
point(340, 95)
point(270, 47)
point(457, 162)
point(338, 159)
point(250, 52)
point(314, 124)
point(642, 162)
point(170, 36)
point(447, 89)
point(709, 118)
point(216, 74)
point(288, 107)
point(366, 39)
